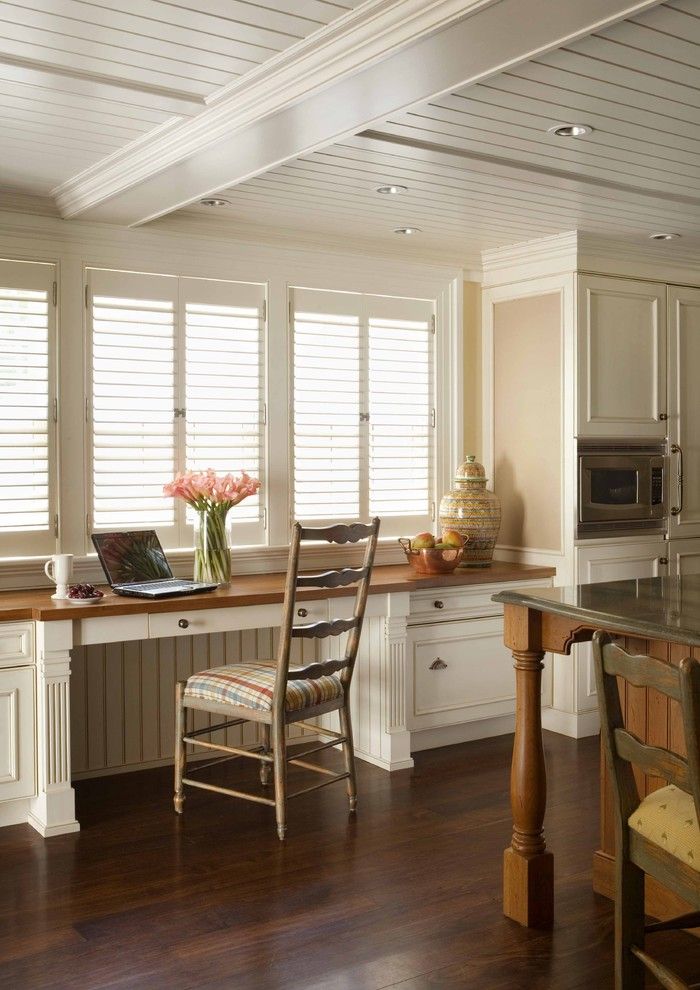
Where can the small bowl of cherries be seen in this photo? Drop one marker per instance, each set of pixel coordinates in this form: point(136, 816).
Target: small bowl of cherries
point(84, 594)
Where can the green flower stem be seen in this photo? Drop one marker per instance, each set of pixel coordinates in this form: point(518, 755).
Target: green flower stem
point(212, 554)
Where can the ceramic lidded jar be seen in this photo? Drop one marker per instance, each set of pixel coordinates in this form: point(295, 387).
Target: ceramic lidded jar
point(474, 512)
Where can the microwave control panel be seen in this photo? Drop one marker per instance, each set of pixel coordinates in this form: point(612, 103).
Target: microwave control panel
point(657, 486)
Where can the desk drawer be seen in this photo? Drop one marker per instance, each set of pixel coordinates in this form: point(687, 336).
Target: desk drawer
point(194, 622)
point(440, 604)
point(16, 644)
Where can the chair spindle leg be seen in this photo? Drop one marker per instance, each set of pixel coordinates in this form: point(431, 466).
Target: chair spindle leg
point(279, 745)
point(180, 751)
point(629, 924)
point(349, 754)
point(264, 766)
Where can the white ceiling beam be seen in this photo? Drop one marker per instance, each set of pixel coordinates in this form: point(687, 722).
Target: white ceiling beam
point(383, 57)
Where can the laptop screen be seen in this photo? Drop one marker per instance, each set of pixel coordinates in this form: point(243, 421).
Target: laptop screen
point(128, 557)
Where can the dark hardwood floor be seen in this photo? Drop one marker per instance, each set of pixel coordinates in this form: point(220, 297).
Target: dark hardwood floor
point(405, 896)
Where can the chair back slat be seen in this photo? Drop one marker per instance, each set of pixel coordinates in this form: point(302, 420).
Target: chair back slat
point(331, 579)
point(622, 749)
point(321, 630)
point(341, 577)
point(340, 533)
point(642, 671)
point(313, 671)
point(653, 760)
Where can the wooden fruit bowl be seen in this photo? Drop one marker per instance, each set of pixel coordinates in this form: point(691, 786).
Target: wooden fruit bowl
point(432, 561)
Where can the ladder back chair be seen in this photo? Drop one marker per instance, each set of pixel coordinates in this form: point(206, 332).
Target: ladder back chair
point(659, 834)
point(275, 695)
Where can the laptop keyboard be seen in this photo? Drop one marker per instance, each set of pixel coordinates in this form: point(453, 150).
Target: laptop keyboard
point(166, 585)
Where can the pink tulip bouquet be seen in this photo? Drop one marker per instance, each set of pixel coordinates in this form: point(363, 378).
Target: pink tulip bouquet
point(211, 496)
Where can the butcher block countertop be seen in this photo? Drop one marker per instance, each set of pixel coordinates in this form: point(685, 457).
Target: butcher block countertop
point(256, 589)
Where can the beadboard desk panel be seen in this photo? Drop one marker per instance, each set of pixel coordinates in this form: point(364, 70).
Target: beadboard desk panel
point(95, 670)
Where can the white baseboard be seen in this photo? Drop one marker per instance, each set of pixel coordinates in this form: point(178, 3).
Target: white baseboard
point(450, 735)
point(14, 812)
point(46, 831)
point(568, 724)
point(384, 764)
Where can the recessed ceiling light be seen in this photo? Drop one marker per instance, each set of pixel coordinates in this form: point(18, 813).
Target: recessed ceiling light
point(663, 237)
point(214, 201)
point(391, 190)
point(570, 130)
point(407, 230)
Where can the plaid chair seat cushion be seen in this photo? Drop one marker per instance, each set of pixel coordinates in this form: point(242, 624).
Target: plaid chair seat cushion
point(250, 685)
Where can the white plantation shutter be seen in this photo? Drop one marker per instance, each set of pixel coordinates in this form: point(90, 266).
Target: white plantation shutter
point(177, 382)
point(27, 389)
point(401, 430)
point(133, 401)
point(224, 393)
point(363, 410)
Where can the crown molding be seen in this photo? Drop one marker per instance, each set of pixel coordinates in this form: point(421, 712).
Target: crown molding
point(530, 259)
point(370, 32)
point(631, 257)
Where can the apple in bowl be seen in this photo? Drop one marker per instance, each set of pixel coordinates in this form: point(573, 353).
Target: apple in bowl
point(452, 538)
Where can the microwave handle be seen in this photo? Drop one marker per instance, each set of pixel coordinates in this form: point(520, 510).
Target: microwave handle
point(677, 509)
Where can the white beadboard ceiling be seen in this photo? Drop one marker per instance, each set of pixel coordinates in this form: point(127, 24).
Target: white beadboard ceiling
point(482, 169)
point(81, 79)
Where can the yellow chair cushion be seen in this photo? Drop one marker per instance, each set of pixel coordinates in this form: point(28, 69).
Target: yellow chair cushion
point(667, 817)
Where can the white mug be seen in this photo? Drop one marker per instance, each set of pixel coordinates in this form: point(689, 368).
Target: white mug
point(59, 569)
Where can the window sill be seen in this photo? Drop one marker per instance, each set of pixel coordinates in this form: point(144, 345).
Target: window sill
point(28, 572)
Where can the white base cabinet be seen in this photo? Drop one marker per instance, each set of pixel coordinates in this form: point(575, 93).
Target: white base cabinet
point(17, 733)
point(621, 561)
point(459, 673)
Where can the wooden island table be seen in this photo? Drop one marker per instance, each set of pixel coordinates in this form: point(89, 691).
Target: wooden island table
point(656, 616)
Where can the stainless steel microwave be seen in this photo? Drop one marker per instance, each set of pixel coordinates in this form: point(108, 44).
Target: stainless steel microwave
point(621, 488)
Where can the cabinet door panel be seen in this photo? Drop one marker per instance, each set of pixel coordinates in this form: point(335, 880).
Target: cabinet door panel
point(684, 408)
point(621, 562)
point(461, 672)
point(16, 733)
point(622, 357)
point(684, 557)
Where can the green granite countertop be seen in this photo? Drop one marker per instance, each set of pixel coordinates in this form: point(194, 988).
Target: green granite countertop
point(653, 608)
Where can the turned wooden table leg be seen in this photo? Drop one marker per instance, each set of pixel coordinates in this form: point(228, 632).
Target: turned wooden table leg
point(528, 887)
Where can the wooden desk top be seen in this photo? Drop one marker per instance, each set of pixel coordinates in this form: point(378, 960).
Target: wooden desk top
point(254, 589)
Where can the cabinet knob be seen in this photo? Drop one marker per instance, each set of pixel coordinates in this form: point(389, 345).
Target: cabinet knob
point(663, 417)
point(302, 612)
point(183, 623)
point(438, 664)
point(663, 560)
point(439, 604)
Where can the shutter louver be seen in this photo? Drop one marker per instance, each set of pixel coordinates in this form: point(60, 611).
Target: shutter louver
point(24, 397)
point(400, 405)
point(326, 416)
point(224, 393)
point(26, 422)
point(133, 401)
point(363, 409)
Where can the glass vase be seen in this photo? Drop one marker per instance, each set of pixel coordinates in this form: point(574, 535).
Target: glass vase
point(212, 547)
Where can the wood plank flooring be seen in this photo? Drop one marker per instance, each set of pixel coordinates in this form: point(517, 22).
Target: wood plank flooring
point(406, 896)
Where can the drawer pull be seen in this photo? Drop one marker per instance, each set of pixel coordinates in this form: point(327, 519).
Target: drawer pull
point(302, 612)
point(183, 623)
point(439, 604)
point(438, 664)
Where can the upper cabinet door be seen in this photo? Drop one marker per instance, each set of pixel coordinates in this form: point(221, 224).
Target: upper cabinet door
point(684, 411)
point(621, 358)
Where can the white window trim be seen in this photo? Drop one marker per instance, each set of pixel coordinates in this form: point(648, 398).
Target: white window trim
point(179, 251)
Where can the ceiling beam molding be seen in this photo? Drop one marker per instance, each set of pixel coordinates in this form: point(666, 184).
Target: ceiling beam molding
point(100, 85)
point(379, 59)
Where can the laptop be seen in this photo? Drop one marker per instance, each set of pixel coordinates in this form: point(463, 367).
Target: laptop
point(135, 564)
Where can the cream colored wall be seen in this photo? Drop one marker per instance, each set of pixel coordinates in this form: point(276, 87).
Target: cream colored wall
point(527, 420)
point(472, 369)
